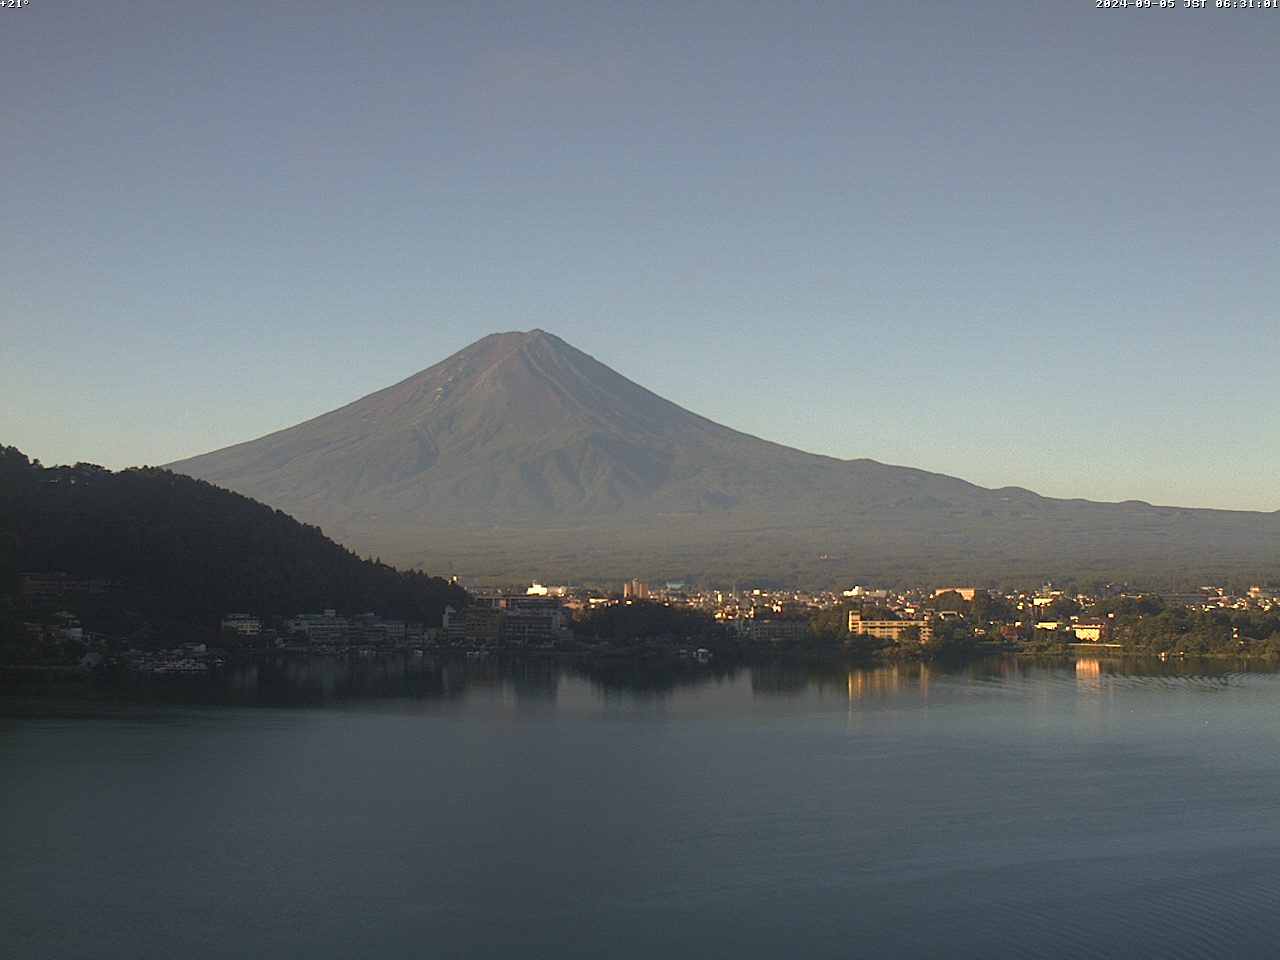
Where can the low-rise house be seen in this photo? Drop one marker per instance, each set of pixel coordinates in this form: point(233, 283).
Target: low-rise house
point(774, 630)
point(243, 624)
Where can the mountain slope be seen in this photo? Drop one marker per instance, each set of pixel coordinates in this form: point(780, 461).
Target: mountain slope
point(521, 455)
point(514, 424)
point(182, 554)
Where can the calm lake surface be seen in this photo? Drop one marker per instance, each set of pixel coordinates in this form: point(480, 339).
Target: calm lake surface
point(394, 808)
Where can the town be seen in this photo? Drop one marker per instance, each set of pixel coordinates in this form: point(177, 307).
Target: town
point(866, 621)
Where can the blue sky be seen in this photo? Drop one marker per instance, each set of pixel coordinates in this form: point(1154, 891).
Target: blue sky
point(1020, 243)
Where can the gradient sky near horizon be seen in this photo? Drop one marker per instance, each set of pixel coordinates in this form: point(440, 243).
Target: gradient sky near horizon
point(1019, 243)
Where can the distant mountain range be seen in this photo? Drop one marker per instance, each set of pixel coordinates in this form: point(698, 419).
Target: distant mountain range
point(522, 456)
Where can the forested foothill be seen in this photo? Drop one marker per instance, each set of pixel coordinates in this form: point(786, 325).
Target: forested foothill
point(154, 559)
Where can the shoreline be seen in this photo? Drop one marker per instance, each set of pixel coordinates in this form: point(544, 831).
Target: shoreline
point(641, 662)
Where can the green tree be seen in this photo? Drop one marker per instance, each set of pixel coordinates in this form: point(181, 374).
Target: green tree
point(648, 620)
point(830, 624)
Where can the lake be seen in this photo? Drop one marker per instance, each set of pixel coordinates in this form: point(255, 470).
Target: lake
point(409, 807)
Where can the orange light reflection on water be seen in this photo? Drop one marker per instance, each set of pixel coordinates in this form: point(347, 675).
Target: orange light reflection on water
point(884, 681)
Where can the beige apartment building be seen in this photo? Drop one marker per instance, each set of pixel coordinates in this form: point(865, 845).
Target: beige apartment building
point(888, 629)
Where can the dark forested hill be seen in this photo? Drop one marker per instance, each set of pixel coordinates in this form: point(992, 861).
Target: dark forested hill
point(147, 545)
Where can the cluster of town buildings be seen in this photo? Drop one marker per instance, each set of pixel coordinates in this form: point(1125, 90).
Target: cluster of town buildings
point(329, 629)
point(541, 615)
point(529, 619)
point(781, 615)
